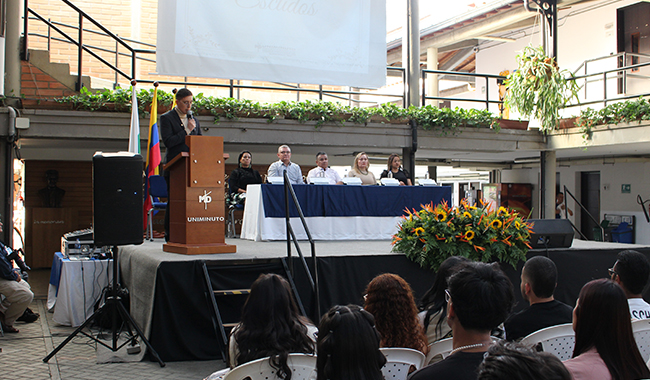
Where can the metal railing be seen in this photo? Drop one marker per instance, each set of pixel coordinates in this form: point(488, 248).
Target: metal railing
point(135, 54)
point(487, 78)
point(566, 207)
point(79, 42)
point(291, 236)
point(604, 76)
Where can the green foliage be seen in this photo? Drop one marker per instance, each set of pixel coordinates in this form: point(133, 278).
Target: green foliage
point(444, 120)
point(431, 235)
point(447, 120)
point(538, 88)
point(615, 113)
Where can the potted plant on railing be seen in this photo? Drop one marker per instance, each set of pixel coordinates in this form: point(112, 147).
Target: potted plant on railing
point(538, 88)
point(432, 234)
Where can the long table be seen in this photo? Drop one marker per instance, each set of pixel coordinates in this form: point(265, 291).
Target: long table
point(75, 287)
point(334, 212)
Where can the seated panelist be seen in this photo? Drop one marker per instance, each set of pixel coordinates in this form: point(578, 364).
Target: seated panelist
point(395, 171)
point(360, 169)
point(244, 175)
point(322, 170)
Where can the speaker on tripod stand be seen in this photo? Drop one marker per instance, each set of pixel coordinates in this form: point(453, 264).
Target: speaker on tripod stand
point(117, 220)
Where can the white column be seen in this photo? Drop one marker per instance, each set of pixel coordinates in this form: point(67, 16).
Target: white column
point(432, 79)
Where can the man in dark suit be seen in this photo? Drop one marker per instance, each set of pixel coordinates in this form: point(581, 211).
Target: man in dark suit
point(174, 126)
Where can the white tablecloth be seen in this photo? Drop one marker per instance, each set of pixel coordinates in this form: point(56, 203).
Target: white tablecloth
point(79, 287)
point(257, 227)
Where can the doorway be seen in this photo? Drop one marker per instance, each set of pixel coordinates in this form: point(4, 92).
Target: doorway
point(590, 199)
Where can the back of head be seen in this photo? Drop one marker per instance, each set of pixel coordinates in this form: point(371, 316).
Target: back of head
point(541, 273)
point(270, 323)
point(348, 345)
point(633, 268)
point(481, 295)
point(602, 321)
point(435, 296)
point(389, 299)
point(509, 360)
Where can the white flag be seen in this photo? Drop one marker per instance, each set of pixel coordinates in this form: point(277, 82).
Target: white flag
point(134, 134)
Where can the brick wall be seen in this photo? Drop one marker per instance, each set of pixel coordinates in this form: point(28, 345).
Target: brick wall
point(35, 84)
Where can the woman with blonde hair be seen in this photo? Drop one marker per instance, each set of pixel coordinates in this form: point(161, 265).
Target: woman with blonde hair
point(390, 300)
point(360, 169)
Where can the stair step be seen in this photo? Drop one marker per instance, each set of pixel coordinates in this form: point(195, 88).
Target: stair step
point(232, 292)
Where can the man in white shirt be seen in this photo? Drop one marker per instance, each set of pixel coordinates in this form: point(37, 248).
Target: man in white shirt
point(284, 163)
point(631, 272)
point(322, 170)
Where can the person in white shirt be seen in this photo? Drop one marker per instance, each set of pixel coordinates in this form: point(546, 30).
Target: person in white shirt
point(284, 163)
point(631, 272)
point(322, 170)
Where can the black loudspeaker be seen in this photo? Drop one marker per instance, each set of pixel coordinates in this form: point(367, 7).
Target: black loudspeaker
point(551, 233)
point(117, 198)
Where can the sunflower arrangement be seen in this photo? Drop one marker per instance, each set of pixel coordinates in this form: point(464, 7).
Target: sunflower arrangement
point(432, 234)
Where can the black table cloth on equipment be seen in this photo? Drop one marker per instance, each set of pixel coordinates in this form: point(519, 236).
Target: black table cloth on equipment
point(180, 315)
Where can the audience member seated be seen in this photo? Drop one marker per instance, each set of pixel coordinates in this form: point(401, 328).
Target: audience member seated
point(18, 293)
point(284, 164)
point(538, 282)
point(605, 347)
point(509, 360)
point(360, 169)
point(244, 175)
point(433, 316)
point(322, 170)
point(395, 171)
point(270, 326)
point(631, 272)
point(480, 297)
point(390, 300)
point(348, 345)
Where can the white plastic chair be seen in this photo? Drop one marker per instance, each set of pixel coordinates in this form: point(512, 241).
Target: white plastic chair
point(558, 340)
point(399, 361)
point(641, 329)
point(441, 348)
point(303, 367)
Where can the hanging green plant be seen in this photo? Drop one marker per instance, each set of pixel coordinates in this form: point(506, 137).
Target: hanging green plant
point(538, 88)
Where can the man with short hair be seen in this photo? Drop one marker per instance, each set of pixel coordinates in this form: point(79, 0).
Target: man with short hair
point(174, 126)
point(284, 164)
point(538, 282)
point(631, 272)
point(18, 294)
point(322, 170)
point(479, 298)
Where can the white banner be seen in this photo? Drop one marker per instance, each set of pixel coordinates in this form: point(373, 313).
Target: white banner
point(335, 42)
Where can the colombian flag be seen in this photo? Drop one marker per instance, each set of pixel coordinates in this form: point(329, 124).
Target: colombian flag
point(153, 153)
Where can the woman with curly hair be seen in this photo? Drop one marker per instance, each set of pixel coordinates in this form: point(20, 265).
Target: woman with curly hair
point(348, 345)
point(270, 326)
point(390, 300)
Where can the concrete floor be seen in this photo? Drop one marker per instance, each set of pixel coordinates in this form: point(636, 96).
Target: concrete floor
point(22, 354)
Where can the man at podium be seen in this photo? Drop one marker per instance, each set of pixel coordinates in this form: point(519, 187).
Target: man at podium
point(174, 126)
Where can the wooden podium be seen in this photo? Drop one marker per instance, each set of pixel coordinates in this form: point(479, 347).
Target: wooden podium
point(196, 195)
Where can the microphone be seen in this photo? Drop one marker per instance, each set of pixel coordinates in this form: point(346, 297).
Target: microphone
point(189, 114)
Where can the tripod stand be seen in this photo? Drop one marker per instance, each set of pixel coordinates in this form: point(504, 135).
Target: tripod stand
point(113, 305)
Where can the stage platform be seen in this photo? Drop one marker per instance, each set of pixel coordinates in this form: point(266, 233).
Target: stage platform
point(169, 299)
